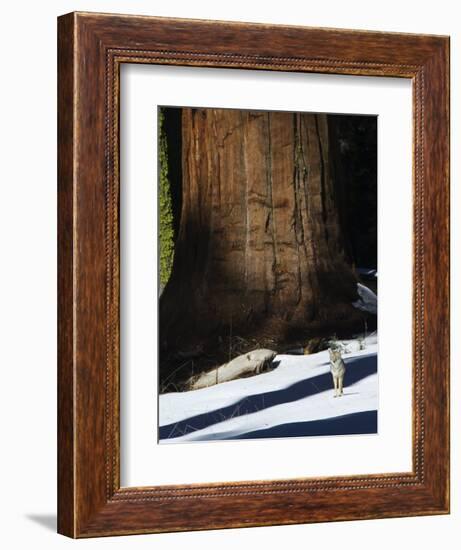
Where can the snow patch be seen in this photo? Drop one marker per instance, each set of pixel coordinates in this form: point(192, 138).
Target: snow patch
point(367, 272)
point(368, 301)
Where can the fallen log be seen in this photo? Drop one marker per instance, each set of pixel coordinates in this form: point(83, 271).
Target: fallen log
point(249, 364)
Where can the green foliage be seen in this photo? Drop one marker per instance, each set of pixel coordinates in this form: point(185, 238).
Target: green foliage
point(166, 231)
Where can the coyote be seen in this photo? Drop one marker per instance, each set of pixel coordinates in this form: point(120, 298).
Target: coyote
point(337, 369)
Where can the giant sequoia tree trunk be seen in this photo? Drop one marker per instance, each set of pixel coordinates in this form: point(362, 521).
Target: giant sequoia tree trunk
point(259, 251)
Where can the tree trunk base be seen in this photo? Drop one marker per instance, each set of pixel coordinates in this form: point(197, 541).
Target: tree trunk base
point(196, 356)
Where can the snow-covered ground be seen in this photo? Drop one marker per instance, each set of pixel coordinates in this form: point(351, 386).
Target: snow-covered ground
point(294, 399)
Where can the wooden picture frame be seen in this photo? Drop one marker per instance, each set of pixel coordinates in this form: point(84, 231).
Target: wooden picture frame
point(91, 49)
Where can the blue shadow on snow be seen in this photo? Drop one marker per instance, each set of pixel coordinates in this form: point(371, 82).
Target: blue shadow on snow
point(358, 368)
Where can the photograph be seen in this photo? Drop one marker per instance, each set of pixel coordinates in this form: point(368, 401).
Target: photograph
point(267, 274)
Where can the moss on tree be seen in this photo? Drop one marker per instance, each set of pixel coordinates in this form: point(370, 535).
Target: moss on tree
point(166, 230)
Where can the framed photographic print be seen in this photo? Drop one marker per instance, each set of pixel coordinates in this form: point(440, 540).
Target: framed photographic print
point(253, 275)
